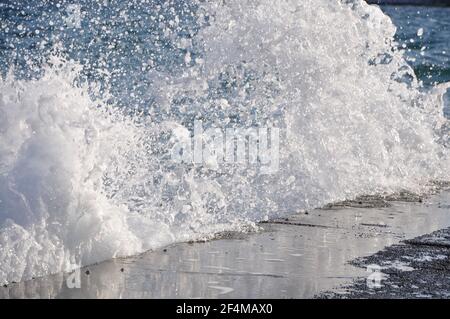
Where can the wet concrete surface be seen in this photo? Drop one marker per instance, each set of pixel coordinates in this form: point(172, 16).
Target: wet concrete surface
point(297, 257)
point(418, 268)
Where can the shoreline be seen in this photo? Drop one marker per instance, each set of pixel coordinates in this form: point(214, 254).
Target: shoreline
point(296, 257)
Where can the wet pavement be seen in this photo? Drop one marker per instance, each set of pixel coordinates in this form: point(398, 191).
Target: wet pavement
point(418, 268)
point(298, 257)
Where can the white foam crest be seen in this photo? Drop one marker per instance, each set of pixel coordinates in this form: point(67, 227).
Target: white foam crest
point(73, 174)
point(81, 183)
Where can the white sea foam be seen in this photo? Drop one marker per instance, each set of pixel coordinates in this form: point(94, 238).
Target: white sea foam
point(81, 183)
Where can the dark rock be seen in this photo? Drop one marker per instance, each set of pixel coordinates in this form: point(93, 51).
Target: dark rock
point(417, 268)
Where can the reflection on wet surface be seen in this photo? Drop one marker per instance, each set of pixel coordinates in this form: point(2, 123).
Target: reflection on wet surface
point(292, 258)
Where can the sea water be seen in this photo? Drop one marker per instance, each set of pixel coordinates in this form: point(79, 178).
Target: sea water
point(94, 96)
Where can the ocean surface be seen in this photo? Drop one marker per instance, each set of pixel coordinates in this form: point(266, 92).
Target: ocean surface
point(424, 33)
point(94, 97)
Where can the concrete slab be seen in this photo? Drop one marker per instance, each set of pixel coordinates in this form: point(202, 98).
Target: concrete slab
point(297, 257)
